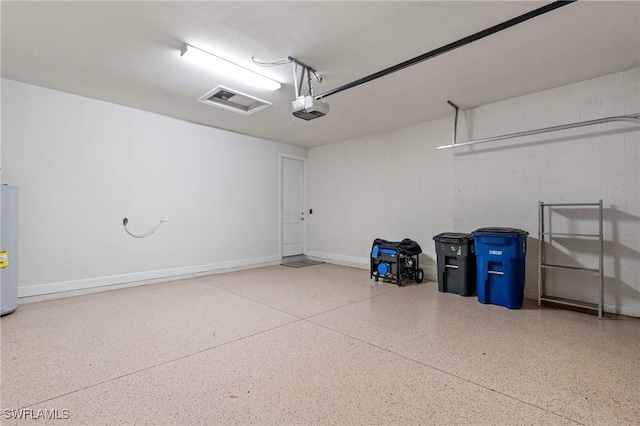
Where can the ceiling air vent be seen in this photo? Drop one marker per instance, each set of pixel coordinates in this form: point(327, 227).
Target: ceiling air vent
point(232, 100)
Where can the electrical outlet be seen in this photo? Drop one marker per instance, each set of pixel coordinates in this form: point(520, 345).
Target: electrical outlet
point(164, 218)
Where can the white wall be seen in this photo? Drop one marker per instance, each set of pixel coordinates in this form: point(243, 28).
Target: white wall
point(83, 164)
point(390, 185)
point(500, 184)
point(352, 184)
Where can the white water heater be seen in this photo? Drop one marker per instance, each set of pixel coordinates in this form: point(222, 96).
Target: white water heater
point(8, 249)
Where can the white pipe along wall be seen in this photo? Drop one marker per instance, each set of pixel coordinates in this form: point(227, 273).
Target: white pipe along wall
point(82, 165)
point(396, 184)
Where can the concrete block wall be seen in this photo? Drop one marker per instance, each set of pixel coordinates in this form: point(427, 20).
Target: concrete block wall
point(390, 185)
point(500, 183)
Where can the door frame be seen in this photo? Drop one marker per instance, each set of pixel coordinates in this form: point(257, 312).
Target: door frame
point(280, 200)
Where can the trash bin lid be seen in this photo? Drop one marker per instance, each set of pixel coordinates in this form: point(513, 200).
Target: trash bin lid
point(515, 232)
point(453, 237)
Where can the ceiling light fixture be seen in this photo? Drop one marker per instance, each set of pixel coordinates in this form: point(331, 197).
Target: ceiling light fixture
point(228, 68)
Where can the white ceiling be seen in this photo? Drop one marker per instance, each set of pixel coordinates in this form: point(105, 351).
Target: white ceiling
point(128, 53)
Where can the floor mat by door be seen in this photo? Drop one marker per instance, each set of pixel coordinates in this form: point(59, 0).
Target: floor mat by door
point(302, 263)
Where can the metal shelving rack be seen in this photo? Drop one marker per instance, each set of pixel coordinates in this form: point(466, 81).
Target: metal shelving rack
point(543, 266)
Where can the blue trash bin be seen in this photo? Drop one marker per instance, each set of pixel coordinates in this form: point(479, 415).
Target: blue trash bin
point(500, 263)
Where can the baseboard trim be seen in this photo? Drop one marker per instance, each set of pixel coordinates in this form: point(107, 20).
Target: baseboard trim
point(340, 259)
point(430, 272)
point(608, 308)
point(39, 292)
point(142, 278)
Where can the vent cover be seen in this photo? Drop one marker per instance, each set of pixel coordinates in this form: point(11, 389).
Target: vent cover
point(232, 100)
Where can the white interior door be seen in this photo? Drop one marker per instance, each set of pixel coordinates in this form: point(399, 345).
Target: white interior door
point(292, 207)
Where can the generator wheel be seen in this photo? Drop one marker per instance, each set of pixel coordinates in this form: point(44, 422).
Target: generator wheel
point(419, 275)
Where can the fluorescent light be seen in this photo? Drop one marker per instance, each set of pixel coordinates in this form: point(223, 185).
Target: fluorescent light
point(228, 68)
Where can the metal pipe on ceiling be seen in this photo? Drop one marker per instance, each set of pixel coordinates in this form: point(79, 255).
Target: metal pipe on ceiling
point(451, 46)
point(633, 118)
point(455, 122)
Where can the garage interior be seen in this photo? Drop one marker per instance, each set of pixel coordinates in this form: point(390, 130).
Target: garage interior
point(161, 199)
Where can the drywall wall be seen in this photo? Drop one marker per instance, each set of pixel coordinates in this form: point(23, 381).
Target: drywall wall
point(390, 185)
point(397, 184)
point(500, 184)
point(82, 165)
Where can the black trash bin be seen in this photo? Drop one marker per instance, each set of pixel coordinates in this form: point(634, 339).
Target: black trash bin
point(456, 263)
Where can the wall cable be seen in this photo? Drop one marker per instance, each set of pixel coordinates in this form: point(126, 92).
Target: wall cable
point(125, 221)
point(306, 69)
point(269, 64)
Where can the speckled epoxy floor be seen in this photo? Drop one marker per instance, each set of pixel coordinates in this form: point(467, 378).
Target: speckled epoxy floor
point(316, 345)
